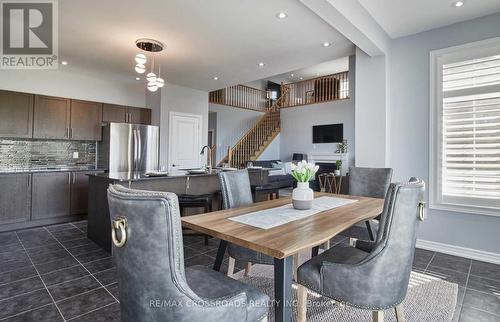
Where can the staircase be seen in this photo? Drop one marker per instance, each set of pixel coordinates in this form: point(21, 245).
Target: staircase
point(257, 139)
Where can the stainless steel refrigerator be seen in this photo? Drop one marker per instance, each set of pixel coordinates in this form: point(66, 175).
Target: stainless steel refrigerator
point(128, 148)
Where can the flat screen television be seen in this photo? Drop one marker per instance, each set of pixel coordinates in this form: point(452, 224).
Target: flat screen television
point(329, 133)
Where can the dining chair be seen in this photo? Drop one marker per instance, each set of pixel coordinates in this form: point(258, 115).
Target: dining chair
point(377, 277)
point(236, 192)
point(369, 182)
point(153, 283)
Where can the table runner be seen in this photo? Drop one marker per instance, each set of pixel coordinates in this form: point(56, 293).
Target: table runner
point(273, 217)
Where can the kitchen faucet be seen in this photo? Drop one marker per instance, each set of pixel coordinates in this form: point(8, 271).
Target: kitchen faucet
point(209, 157)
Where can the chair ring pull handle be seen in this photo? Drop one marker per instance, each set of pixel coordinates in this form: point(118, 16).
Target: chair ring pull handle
point(119, 223)
point(421, 210)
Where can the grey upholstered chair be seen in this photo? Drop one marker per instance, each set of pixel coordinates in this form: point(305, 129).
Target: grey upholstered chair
point(236, 192)
point(377, 277)
point(369, 182)
point(153, 284)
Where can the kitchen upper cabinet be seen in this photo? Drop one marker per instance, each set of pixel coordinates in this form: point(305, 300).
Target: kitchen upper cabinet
point(80, 192)
point(85, 120)
point(15, 199)
point(16, 115)
point(124, 114)
point(139, 115)
point(51, 118)
point(51, 195)
point(114, 113)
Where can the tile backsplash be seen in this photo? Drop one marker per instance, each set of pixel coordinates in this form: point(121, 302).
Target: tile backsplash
point(23, 154)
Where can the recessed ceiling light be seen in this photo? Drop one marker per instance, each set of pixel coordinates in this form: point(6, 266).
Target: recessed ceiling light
point(215, 78)
point(261, 64)
point(301, 78)
point(281, 15)
point(137, 78)
point(326, 44)
point(64, 63)
point(291, 75)
point(458, 4)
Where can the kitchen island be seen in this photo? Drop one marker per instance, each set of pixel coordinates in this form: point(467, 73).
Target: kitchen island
point(99, 223)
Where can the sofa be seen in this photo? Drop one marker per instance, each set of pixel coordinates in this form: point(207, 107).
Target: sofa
point(276, 180)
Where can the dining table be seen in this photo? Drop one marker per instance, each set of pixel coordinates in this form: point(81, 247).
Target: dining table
point(284, 241)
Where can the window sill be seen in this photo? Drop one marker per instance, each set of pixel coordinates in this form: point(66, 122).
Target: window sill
point(466, 209)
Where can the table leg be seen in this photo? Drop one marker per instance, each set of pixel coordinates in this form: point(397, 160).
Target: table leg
point(220, 255)
point(283, 275)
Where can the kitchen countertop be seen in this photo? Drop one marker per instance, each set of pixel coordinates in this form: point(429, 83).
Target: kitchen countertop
point(137, 176)
point(69, 169)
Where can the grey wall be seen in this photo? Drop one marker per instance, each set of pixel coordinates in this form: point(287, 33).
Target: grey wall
point(409, 128)
point(371, 110)
point(232, 124)
point(153, 101)
point(272, 152)
point(74, 83)
point(297, 122)
point(181, 99)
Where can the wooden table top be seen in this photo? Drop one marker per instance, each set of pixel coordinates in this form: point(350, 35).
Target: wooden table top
point(288, 239)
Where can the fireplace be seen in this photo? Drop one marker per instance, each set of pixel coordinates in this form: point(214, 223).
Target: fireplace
point(324, 167)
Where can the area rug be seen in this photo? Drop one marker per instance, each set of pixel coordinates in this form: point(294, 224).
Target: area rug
point(429, 299)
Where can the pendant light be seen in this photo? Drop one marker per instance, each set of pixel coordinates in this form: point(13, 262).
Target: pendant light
point(152, 46)
point(151, 77)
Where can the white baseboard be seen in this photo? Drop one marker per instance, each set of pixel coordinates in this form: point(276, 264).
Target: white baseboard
point(459, 251)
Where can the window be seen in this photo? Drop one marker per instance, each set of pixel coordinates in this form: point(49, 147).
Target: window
point(465, 128)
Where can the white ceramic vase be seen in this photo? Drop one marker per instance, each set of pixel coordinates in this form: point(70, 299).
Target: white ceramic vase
point(302, 196)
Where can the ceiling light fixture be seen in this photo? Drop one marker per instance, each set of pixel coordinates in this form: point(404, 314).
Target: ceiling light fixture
point(215, 78)
point(141, 59)
point(138, 78)
point(261, 64)
point(458, 4)
point(281, 15)
point(326, 44)
point(152, 46)
point(64, 63)
point(140, 69)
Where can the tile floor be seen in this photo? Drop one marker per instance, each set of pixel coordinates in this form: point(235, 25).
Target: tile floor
point(55, 273)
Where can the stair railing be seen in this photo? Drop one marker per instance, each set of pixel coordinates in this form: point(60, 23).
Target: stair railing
point(254, 142)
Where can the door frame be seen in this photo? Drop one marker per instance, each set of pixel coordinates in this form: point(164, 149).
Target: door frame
point(170, 133)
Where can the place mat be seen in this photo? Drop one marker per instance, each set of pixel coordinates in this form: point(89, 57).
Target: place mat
point(273, 217)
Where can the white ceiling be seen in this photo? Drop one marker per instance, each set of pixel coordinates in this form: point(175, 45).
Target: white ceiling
point(405, 17)
point(322, 69)
point(223, 38)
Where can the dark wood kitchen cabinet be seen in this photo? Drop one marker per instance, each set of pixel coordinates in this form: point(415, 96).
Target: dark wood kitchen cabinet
point(85, 120)
point(79, 192)
point(16, 114)
point(126, 114)
point(114, 113)
point(15, 199)
point(51, 195)
point(139, 115)
point(51, 118)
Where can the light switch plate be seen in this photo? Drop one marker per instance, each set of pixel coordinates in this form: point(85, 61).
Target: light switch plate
point(75, 155)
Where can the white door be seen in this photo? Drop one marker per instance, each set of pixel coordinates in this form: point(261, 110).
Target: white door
point(184, 141)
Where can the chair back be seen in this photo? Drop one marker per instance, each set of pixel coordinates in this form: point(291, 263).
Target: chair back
point(369, 182)
point(235, 187)
point(380, 280)
point(150, 263)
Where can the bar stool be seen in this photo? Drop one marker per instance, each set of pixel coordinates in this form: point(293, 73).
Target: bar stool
point(196, 201)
